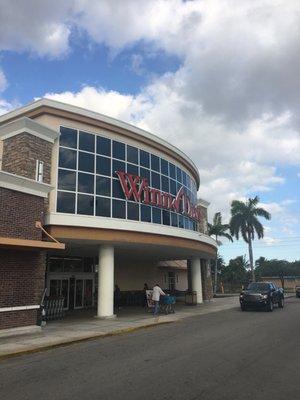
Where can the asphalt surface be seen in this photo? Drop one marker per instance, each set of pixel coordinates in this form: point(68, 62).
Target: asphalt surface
point(224, 355)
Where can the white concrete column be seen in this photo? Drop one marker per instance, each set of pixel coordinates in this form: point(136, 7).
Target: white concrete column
point(106, 282)
point(196, 279)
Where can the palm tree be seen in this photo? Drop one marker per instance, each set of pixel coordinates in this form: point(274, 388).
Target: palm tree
point(244, 220)
point(217, 229)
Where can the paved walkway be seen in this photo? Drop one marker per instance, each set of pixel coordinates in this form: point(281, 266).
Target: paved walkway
point(83, 326)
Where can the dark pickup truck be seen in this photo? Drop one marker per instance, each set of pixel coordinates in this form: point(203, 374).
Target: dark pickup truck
point(261, 294)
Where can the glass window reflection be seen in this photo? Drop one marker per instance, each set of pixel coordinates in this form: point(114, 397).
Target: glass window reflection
point(85, 204)
point(155, 164)
point(103, 207)
point(132, 154)
point(67, 158)
point(103, 166)
point(103, 186)
point(86, 162)
point(66, 202)
point(103, 146)
point(68, 137)
point(85, 183)
point(66, 180)
point(156, 215)
point(133, 211)
point(118, 209)
point(87, 141)
point(119, 150)
point(144, 159)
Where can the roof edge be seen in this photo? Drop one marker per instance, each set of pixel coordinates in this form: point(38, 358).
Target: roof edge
point(98, 116)
point(27, 125)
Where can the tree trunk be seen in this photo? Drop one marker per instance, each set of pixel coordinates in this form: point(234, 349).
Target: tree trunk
point(216, 271)
point(251, 256)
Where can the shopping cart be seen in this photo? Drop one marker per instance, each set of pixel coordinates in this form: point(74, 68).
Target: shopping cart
point(168, 304)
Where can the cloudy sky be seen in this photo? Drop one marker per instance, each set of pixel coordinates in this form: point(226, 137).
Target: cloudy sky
point(217, 78)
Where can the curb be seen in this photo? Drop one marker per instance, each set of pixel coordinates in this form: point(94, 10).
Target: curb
point(85, 339)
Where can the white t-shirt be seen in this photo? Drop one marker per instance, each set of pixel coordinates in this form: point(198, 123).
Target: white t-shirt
point(157, 292)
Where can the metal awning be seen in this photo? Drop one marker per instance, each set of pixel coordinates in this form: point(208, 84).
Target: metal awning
point(16, 243)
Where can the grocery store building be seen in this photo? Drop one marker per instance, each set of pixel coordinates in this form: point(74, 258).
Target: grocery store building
point(87, 202)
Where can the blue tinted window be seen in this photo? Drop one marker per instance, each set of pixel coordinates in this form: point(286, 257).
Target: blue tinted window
point(164, 167)
point(86, 162)
point(180, 221)
point(145, 213)
point(118, 209)
point(132, 154)
point(188, 181)
point(144, 159)
point(133, 211)
point(165, 184)
point(145, 173)
point(186, 222)
point(132, 169)
point(117, 189)
point(156, 215)
point(184, 178)
point(103, 146)
point(66, 180)
point(66, 202)
point(68, 137)
point(174, 219)
point(155, 180)
point(119, 150)
point(103, 166)
point(85, 183)
point(103, 186)
point(178, 174)
point(85, 204)
point(166, 217)
point(172, 171)
point(118, 166)
point(155, 163)
point(86, 141)
point(103, 207)
point(67, 158)
point(173, 189)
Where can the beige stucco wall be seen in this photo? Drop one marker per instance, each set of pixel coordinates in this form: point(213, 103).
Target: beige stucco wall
point(132, 276)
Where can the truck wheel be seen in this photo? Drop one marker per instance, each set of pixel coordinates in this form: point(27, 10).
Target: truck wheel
point(281, 303)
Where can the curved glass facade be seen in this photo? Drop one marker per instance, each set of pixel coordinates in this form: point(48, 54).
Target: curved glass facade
point(88, 183)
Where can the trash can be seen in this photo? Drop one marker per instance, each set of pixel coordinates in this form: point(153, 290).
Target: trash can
point(191, 298)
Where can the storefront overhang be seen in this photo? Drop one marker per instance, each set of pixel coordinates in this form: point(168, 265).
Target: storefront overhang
point(25, 244)
point(161, 246)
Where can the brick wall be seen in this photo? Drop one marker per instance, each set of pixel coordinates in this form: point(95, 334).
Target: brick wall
point(18, 213)
point(16, 319)
point(20, 153)
point(22, 276)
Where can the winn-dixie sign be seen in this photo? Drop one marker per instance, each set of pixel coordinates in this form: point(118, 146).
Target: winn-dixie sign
point(137, 189)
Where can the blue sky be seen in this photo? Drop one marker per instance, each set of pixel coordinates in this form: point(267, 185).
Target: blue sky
point(219, 81)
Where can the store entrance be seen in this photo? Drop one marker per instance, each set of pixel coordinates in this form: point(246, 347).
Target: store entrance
point(72, 279)
point(76, 291)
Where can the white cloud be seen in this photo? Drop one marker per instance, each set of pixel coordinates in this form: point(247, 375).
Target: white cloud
point(42, 28)
point(5, 106)
point(270, 241)
point(232, 105)
point(3, 81)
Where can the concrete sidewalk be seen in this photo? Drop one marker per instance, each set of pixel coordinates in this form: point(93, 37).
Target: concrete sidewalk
point(75, 329)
